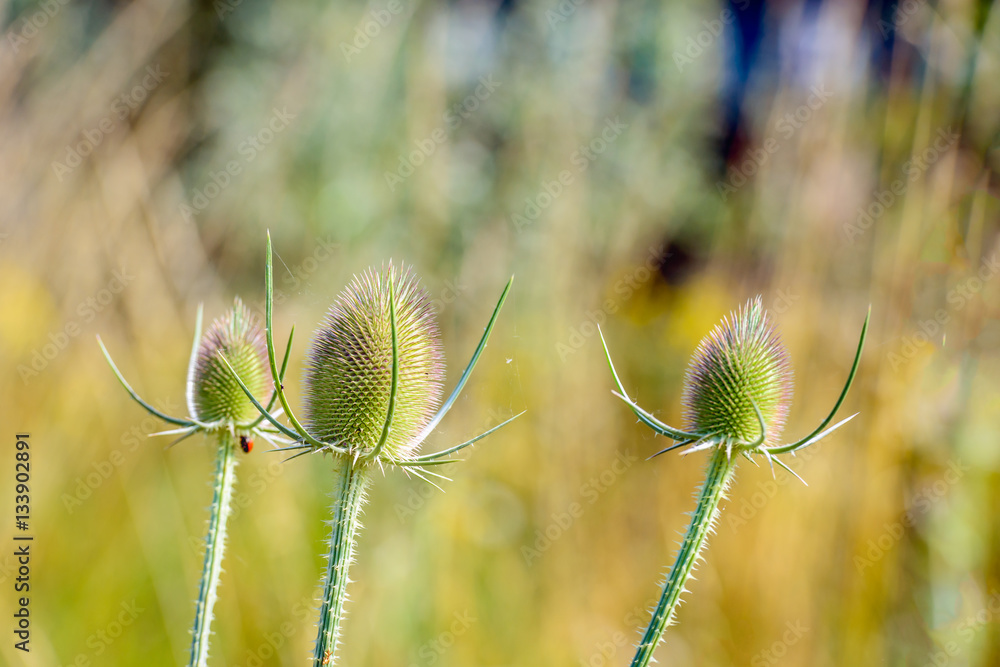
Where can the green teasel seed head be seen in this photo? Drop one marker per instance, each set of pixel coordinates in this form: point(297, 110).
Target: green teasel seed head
point(213, 393)
point(348, 374)
point(741, 359)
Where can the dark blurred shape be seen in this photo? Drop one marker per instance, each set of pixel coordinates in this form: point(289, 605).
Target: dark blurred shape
point(680, 261)
point(743, 39)
point(754, 58)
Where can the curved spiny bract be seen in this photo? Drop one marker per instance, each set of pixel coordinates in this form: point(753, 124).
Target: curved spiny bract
point(348, 377)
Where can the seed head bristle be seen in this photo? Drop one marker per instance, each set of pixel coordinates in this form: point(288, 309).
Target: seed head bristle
point(217, 396)
point(742, 358)
point(348, 374)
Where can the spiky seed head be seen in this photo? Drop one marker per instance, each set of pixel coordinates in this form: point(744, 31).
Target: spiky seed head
point(742, 357)
point(349, 369)
point(213, 392)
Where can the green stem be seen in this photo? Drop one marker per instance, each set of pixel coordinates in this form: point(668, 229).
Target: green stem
point(721, 469)
point(349, 496)
point(215, 545)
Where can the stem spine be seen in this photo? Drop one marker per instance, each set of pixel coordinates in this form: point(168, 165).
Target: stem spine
point(215, 546)
point(349, 496)
point(721, 470)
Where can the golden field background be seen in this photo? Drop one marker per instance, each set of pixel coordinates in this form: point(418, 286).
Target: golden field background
point(891, 556)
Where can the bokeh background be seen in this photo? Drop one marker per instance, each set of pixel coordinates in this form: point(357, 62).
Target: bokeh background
point(644, 166)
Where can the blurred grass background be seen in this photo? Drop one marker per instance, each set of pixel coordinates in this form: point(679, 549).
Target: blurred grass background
point(731, 177)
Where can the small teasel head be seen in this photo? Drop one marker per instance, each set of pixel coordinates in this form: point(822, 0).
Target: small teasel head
point(348, 375)
point(740, 364)
point(214, 395)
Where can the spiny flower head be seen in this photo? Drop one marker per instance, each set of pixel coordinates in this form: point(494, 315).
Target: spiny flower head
point(214, 395)
point(740, 362)
point(349, 369)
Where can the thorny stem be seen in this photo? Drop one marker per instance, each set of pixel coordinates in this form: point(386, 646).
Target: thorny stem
point(215, 545)
point(721, 470)
point(349, 496)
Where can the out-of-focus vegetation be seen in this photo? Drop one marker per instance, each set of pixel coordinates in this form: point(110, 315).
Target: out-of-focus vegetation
point(646, 167)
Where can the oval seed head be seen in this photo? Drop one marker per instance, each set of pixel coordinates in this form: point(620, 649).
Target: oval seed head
point(349, 370)
point(213, 393)
point(742, 357)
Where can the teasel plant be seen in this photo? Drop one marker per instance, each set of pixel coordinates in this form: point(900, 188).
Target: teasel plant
point(736, 396)
point(218, 408)
point(373, 385)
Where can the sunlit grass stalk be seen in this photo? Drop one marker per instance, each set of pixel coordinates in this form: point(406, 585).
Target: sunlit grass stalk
point(349, 496)
point(215, 546)
point(721, 470)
